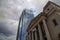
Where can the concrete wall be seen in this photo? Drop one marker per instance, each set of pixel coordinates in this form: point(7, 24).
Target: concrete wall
point(54, 30)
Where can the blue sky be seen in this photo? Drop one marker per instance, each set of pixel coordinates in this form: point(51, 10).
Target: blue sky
point(10, 11)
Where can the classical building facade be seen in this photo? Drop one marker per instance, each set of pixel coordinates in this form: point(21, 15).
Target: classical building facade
point(45, 26)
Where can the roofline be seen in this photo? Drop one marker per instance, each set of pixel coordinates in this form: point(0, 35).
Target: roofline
point(48, 3)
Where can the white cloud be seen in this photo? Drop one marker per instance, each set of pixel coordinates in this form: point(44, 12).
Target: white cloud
point(12, 25)
point(9, 29)
point(4, 37)
point(29, 1)
point(13, 37)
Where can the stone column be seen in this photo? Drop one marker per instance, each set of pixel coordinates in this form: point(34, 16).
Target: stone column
point(32, 36)
point(40, 33)
point(35, 35)
point(46, 30)
point(29, 36)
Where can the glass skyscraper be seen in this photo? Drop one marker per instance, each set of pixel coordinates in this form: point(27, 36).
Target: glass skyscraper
point(25, 19)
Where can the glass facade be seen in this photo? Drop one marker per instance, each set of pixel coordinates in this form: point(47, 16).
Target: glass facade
point(25, 19)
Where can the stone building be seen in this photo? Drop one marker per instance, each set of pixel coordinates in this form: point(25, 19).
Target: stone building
point(45, 26)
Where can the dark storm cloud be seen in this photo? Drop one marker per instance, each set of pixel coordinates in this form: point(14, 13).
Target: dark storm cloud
point(4, 29)
point(8, 29)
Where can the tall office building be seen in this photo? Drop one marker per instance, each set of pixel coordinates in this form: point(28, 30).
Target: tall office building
point(26, 17)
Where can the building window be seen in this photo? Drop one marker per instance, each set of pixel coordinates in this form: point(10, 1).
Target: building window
point(58, 36)
point(48, 9)
point(54, 21)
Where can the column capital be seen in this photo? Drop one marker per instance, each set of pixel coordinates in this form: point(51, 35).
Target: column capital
point(44, 17)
